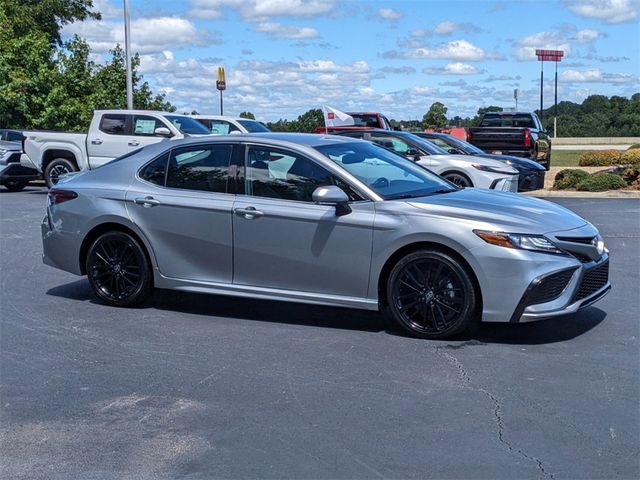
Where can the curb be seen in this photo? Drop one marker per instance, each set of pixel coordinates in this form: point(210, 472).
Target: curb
point(576, 194)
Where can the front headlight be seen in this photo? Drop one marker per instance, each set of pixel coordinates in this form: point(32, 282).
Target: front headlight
point(535, 243)
point(486, 168)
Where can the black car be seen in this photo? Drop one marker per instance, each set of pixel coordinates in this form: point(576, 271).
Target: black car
point(531, 174)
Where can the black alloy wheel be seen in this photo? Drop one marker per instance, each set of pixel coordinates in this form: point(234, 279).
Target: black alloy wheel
point(15, 185)
point(458, 179)
point(431, 295)
point(118, 270)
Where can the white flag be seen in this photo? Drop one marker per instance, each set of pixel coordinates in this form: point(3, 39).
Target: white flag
point(336, 118)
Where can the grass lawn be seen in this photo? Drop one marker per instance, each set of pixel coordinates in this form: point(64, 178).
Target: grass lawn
point(565, 158)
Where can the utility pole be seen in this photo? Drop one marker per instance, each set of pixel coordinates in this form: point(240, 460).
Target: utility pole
point(127, 54)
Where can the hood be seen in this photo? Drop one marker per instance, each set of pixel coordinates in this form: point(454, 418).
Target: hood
point(499, 211)
point(479, 160)
point(516, 161)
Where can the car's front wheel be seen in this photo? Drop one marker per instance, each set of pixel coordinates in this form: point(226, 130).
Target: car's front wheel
point(431, 295)
point(458, 179)
point(15, 185)
point(118, 270)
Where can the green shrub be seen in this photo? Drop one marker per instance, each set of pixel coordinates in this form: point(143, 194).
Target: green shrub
point(631, 156)
point(600, 158)
point(569, 178)
point(635, 145)
point(601, 182)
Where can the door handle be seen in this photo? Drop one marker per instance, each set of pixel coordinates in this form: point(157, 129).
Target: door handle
point(133, 143)
point(146, 202)
point(249, 213)
point(96, 141)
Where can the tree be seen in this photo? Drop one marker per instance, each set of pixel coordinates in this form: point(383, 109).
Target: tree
point(309, 121)
point(248, 115)
point(436, 116)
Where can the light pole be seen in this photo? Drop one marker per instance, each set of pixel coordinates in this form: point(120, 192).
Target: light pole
point(127, 55)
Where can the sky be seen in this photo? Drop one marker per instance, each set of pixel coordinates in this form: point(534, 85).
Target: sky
point(284, 57)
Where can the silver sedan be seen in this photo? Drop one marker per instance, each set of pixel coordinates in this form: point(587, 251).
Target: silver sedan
point(324, 220)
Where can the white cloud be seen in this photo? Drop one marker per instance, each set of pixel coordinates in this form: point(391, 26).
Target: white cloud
point(457, 68)
point(260, 9)
point(448, 27)
point(389, 14)
point(330, 66)
point(455, 50)
point(286, 31)
point(609, 11)
point(586, 36)
point(148, 35)
point(525, 48)
point(595, 76)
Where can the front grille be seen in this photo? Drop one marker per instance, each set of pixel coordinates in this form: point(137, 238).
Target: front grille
point(14, 158)
point(592, 281)
point(583, 240)
point(582, 258)
point(550, 287)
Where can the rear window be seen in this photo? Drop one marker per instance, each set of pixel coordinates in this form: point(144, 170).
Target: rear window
point(361, 120)
point(497, 120)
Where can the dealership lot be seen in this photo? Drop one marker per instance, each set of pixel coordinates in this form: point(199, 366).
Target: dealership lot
point(201, 386)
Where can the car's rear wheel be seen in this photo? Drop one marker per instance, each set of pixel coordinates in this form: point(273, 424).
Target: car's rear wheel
point(118, 270)
point(458, 179)
point(431, 295)
point(57, 167)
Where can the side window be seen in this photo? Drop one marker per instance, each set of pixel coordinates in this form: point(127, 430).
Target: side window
point(221, 127)
point(200, 167)
point(280, 174)
point(145, 126)
point(14, 136)
point(113, 124)
point(391, 143)
point(155, 171)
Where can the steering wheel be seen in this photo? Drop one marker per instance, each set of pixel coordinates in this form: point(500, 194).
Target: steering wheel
point(381, 182)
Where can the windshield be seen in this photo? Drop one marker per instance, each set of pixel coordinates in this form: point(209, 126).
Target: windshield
point(188, 125)
point(420, 142)
point(388, 174)
point(253, 126)
point(462, 145)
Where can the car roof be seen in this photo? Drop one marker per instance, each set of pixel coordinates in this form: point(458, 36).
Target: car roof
point(139, 112)
point(221, 117)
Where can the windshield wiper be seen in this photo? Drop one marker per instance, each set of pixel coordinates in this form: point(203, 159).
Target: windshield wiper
point(416, 195)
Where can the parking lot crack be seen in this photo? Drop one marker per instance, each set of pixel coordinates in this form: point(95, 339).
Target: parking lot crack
point(497, 411)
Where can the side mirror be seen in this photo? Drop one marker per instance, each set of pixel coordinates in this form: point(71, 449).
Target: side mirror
point(332, 195)
point(412, 152)
point(162, 131)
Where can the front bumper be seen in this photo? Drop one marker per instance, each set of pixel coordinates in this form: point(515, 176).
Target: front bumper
point(528, 182)
point(13, 172)
point(565, 291)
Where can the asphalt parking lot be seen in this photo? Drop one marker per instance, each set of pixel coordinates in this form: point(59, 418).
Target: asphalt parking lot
point(211, 387)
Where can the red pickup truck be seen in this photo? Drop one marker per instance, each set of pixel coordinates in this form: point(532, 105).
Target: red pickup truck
point(361, 120)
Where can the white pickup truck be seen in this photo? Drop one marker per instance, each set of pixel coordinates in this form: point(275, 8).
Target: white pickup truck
point(112, 133)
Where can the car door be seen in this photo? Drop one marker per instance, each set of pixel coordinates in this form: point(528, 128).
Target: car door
point(181, 202)
point(283, 240)
point(110, 140)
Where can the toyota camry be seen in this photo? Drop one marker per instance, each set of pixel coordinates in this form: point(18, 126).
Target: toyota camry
point(323, 220)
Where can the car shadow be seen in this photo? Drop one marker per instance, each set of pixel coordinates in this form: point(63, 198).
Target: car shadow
point(553, 330)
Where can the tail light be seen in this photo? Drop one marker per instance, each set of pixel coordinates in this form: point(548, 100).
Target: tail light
point(58, 195)
point(527, 138)
point(469, 136)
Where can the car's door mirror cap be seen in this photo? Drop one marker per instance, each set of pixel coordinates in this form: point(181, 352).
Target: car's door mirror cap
point(332, 195)
point(162, 131)
point(412, 152)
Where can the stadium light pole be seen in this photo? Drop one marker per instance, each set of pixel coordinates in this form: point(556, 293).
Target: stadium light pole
point(127, 55)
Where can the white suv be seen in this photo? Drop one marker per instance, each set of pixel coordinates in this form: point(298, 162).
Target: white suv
point(223, 125)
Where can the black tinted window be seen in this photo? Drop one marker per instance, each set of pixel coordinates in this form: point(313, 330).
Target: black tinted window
point(154, 172)
point(280, 174)
point(201, 167)
point(113, 124)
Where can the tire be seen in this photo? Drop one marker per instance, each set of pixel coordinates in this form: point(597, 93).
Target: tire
point(15, 185)
point(118, 270)
point(57, 167)
point(459, 179)
point(431, 295)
